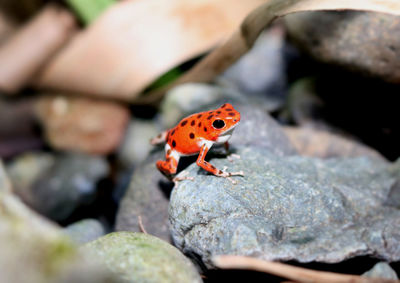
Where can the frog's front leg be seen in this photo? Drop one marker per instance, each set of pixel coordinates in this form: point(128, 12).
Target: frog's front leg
point(170, 165)
point(209, 167)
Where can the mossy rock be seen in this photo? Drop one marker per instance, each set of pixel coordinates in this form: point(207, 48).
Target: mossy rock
point(138, 257)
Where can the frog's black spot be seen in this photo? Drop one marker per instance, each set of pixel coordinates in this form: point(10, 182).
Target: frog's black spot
point(209, 117)
point(168, 159)
point(210, 112)
point(173, 143)
point(191, 135)
point(173, 132)
point(168, 152)
point(228, 109)
point(199, 116)
point(212, 167)
point(183, 123)
point(220, 172)
point(218, 112)
point(231, 114)
point(199, 124)
point(223, 105)
point(193, 122)
point(205, 129)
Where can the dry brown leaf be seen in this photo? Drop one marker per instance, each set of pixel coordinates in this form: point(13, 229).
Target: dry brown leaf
point(28, 49)
point(294, 273)
point(81, 124)
point(242, 40)
point(136, 41)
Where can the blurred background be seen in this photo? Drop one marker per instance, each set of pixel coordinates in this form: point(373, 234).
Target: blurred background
point(73, 129)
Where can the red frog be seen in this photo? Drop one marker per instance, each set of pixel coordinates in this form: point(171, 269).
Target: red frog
point(196, 134)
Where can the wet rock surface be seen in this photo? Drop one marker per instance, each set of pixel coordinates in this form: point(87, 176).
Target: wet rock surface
point(358, 41)
point(288, 208)
point(138, 257)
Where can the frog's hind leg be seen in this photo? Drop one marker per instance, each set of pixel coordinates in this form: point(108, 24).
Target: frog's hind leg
point(170, 165)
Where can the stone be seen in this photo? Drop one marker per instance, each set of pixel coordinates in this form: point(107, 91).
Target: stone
point(288, 208)
point(258, 129)
point(33, 250)
point(18, 127)
point(147, 197)
point(261, 71)
point(304, 107)
point(381, 270)
point(85, 231)
point(5, 184)
point(358, 41)
point(138, 257)
point(136, 146)
point(55, 185)
point(323, 144)
point(83, 124)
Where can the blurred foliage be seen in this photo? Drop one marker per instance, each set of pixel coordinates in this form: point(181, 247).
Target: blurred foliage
point(165, 79)
point(89, 10)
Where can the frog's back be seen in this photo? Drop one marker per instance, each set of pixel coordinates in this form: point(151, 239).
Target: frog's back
point(188, 134)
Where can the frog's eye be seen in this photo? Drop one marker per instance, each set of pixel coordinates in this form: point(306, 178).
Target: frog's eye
point(218, 124)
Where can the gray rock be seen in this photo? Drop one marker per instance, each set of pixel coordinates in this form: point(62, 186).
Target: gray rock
point(381, 270)
point(289, 208)
point(138, 257)
point(146, 198)
point(258, 128)
point(27, 168)
point(323, 144)
point(5, 184)
point(85, 230)
point(36, 251)
point(359, 41)
point(303, 106)
point(56, 185)
point(136, 146)
point(261, 72)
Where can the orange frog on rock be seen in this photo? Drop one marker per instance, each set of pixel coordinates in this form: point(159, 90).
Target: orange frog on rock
point(196, 134)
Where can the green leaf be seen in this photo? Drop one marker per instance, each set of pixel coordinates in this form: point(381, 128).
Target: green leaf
point(89, 10)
